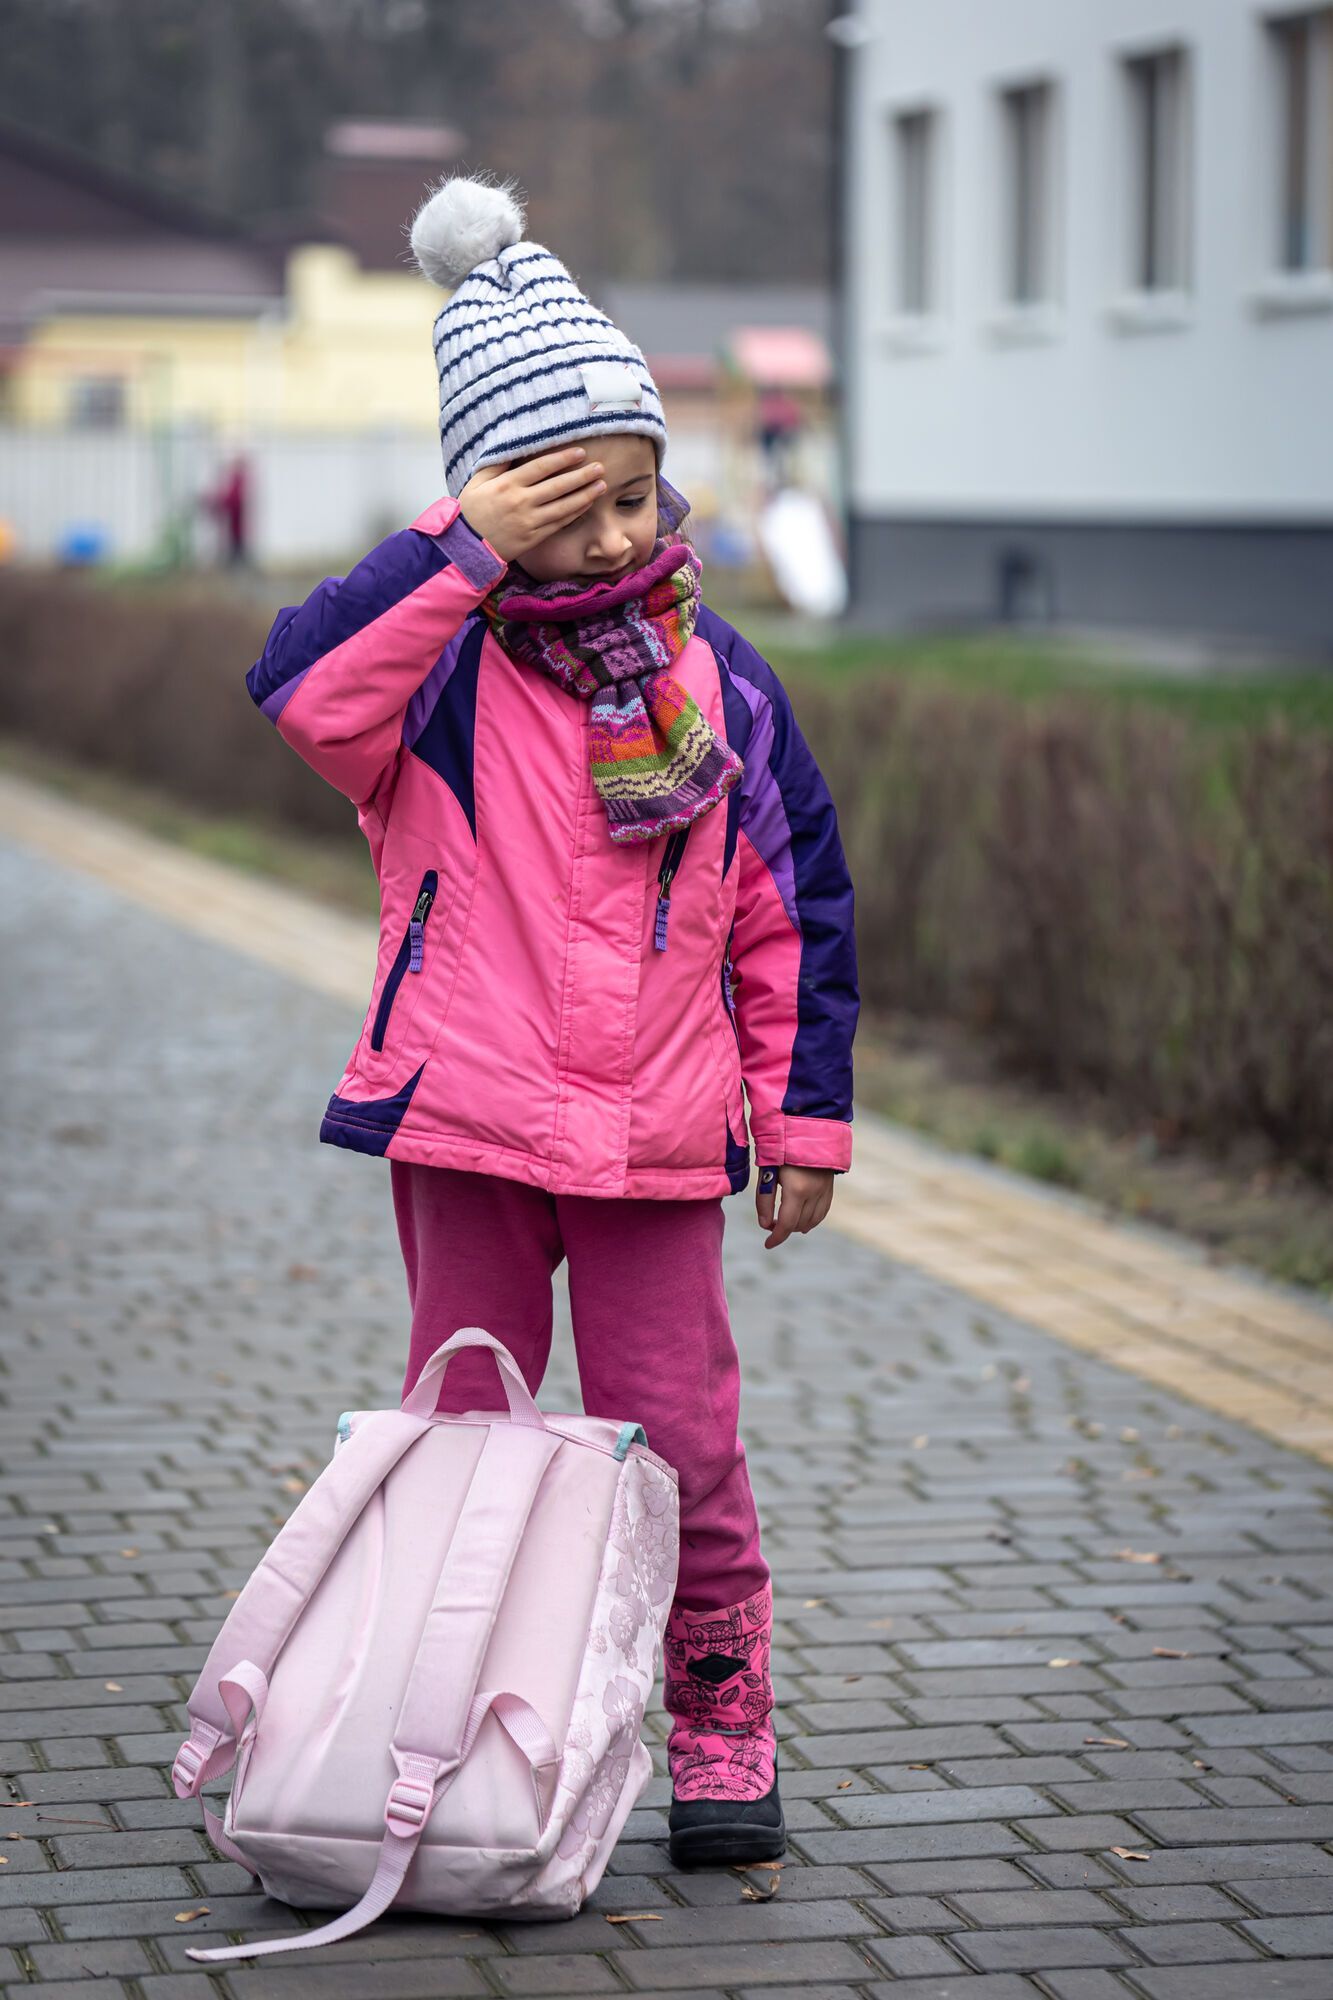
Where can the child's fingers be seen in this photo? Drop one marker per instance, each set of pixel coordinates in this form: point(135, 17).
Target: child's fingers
point(781, 1227)
point(532, 471)
point(554, 493)
point(817, 1207)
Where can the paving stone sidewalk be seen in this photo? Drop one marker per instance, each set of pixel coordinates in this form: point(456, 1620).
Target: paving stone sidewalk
point(1037, 1619)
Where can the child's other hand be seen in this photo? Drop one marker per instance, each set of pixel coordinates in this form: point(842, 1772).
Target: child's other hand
point(807, 1196)
point(513, 507)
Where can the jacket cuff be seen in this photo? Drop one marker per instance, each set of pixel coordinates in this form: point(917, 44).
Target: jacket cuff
point(803, 1142)
point(471, 555)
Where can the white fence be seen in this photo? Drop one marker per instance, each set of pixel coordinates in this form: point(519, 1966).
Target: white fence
point(315, 497)
point(139, 495)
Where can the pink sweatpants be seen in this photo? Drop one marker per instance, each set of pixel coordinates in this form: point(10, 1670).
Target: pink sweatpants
point(652, 1333)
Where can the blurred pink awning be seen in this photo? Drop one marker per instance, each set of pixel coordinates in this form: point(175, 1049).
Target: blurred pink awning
point(781, 357)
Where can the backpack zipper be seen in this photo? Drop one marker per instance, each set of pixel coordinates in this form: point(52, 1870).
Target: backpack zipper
point(410, 958)
point(666, 875)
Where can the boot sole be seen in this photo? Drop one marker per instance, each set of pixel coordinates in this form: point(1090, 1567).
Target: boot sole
point(726, 1846)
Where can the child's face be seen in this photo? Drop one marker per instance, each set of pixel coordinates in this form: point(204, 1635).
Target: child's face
point(616, 533)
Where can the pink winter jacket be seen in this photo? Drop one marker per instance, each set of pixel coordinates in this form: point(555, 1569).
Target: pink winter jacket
point(524, 1021)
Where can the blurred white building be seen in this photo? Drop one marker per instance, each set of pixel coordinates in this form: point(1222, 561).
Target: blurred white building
point(1088, 331)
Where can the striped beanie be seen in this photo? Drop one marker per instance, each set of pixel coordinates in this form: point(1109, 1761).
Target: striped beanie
point(525, 362)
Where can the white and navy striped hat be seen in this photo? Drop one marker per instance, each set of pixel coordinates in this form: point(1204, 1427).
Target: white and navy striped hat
point(525, 361)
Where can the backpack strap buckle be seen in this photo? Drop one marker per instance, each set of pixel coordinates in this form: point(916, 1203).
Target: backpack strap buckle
point(196, 1760)
point(411, 1796)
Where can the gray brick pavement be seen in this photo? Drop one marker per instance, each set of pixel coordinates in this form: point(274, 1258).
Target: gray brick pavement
point(984, 1695)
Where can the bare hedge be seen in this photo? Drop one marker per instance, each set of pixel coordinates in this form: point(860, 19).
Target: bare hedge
point(149, 680)
point(1117, 899)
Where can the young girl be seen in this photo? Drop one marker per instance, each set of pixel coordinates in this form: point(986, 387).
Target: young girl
point(611, 888)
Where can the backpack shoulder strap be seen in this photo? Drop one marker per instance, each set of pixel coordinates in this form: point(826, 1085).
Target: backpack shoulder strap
point(257, 1627)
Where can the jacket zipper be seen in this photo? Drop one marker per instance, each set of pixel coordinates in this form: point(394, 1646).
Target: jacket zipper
point(410, 958)
point(666, 875)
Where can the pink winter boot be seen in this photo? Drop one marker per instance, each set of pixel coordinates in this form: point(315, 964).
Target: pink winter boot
point(722, 1749)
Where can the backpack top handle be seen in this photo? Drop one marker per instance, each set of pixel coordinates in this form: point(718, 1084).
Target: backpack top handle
point(421, 1398)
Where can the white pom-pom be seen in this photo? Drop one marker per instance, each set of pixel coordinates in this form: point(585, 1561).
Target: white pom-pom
point(464, 223)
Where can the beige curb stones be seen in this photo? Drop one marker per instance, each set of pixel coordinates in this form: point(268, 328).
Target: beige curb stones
point(1231, 1343)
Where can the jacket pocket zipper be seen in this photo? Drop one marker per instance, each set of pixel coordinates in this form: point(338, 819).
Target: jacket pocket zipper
point(729, 1001)
point(410, 958)
point(728, 988)
point(666, 875)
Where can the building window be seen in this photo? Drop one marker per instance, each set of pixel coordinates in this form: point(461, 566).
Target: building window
point(1027, 277)
point(1303, 47)
point(916, 176)
point(97, 402)
point(1159, 171)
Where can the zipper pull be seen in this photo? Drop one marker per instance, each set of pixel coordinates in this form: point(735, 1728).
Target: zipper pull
point(666, 875)
point(416, 930)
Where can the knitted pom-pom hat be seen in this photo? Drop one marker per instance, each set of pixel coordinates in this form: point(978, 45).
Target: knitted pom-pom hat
point(525, 362)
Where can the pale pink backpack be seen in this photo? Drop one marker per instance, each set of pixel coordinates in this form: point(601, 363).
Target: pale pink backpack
point(433, 1684)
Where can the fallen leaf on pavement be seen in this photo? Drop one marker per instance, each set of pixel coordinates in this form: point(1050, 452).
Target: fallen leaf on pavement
point(1064, 1663)
point(113, 1687)
point(188, 1916)
point(1108, 1742)
point(129, 1552)
point(637, 1917)
point(844, 1783)
point(754, 1892)
point(1136, 1556)
point(813, 1603)
point(1170, 1653)
point(1131, 1854)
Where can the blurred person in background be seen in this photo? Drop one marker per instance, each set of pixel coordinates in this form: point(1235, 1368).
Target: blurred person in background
point(536, 718)
point(229, 504)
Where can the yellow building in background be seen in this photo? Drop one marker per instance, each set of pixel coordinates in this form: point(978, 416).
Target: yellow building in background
point(342, 349)
point(120, 306)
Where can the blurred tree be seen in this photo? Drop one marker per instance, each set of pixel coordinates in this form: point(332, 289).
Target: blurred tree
point(655, 138)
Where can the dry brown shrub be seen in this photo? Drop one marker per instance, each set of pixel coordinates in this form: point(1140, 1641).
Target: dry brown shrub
point(1118, 900)
point(149, 680)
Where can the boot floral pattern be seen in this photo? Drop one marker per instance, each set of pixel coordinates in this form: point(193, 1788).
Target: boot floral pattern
point(720, 1696)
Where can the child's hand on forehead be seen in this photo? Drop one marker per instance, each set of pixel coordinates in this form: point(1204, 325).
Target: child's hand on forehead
point(514, 507)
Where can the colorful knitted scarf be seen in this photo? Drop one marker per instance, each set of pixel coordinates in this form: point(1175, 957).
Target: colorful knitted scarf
point(656, 761)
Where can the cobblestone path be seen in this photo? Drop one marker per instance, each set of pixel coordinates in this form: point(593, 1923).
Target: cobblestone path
point(1056, 1647)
